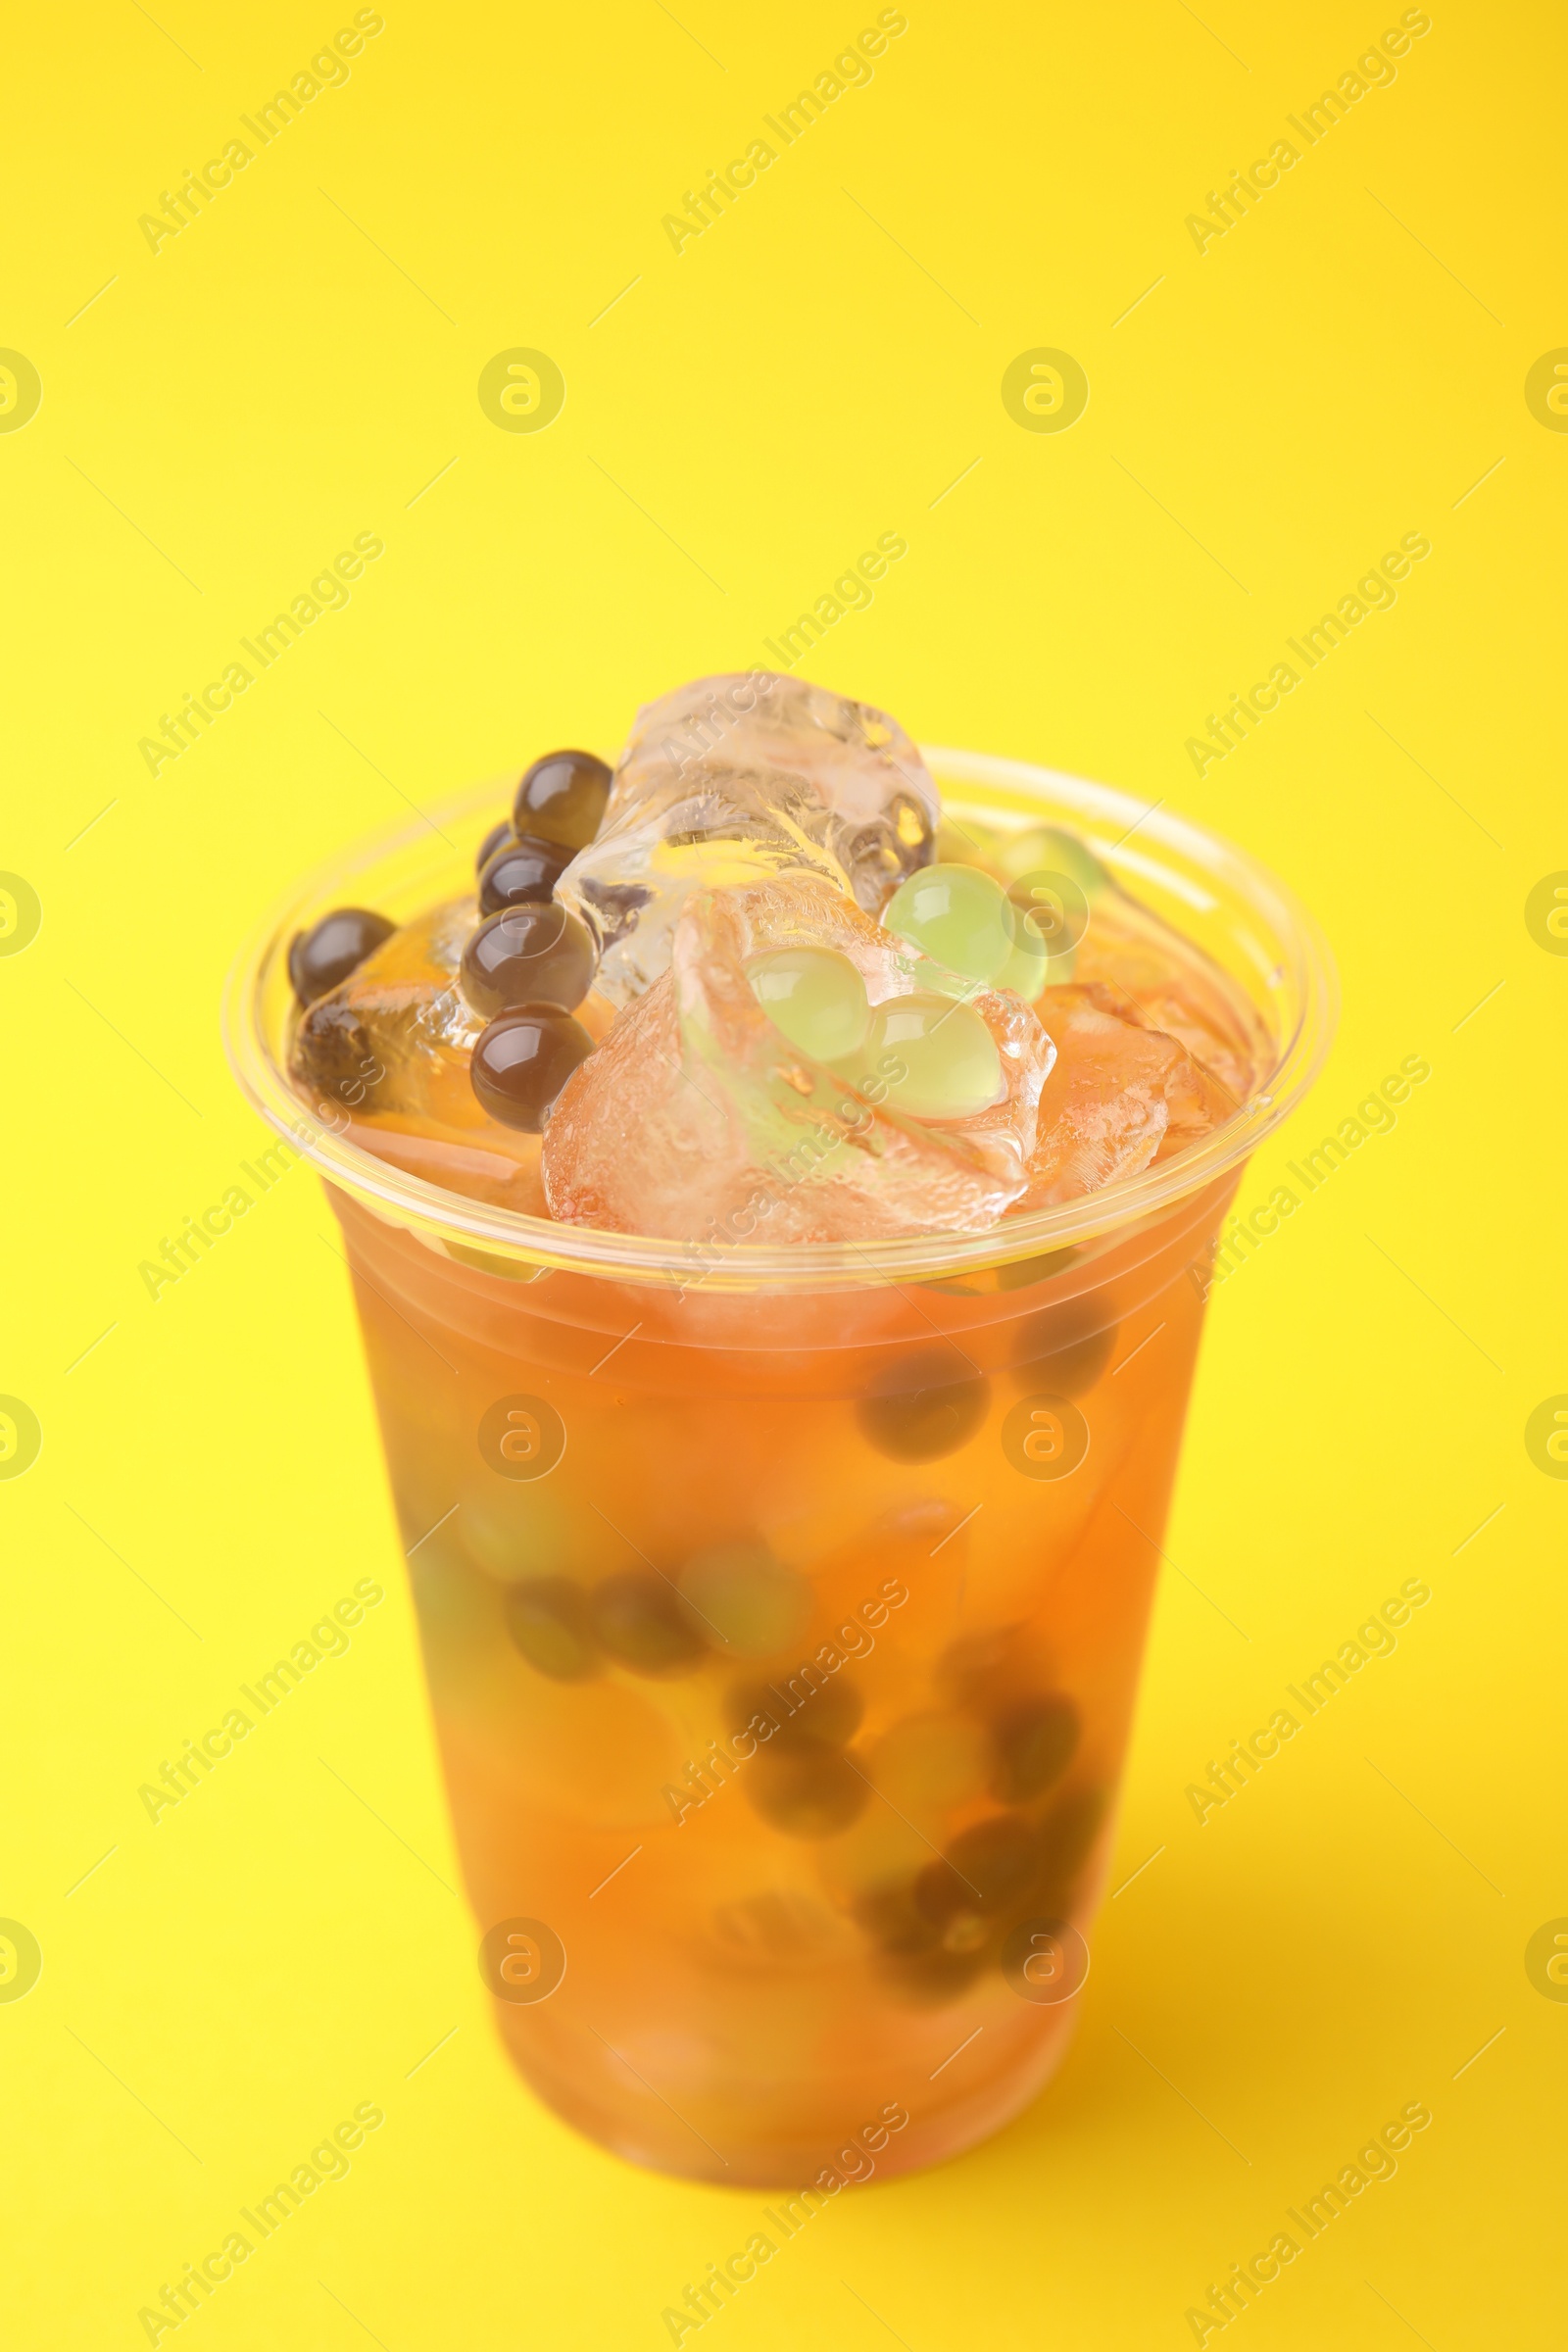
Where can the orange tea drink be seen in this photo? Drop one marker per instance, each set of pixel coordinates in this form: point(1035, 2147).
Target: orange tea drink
point(779, 1179)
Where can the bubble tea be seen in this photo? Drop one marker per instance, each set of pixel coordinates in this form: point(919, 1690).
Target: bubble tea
point(780, 1204)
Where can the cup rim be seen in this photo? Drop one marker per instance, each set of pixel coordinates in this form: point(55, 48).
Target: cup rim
point(1306, 972)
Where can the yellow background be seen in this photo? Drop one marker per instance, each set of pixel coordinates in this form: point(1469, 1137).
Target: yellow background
point(293, 369)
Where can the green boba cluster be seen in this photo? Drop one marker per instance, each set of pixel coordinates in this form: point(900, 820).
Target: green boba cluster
point(931, 1055)
point(949, 1058)
point(1018, 932)
point(815, 997)
point(957, 915)
point(1030, 966)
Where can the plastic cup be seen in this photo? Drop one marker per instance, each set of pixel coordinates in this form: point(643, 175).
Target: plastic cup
point(782, 1607)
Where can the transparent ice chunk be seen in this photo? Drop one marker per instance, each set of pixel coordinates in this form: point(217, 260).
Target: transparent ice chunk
point(383, 1059)
point(1157, 979)
point(1120, 1097)
point(395, 1036)
point(698, 1120)
point(729, 780)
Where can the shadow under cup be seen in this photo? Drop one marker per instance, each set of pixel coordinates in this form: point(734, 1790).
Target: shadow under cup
point(782, 1607)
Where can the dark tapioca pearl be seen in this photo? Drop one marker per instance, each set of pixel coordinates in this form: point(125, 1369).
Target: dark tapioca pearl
point(523, 1061)
point(491, 843)
point(825, 1715)
point(813, 1793)
point(1064, 1349)
point(1034, 1746)
point(561, 798)
point(918, 1409)
point(931, 1980)
point(321, 959)
point(527, 955)
point(643, 1624)
point(520, 872)
point(548, 1619)
point(986, 1869)
point(1065, 1840)
point(894, 1921)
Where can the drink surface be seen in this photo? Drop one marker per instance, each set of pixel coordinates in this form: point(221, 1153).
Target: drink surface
point(781, 1640)
point(757, 983)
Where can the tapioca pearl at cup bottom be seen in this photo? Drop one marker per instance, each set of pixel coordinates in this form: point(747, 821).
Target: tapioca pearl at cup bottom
point(1065, 1840)
point(814, 1793)
point(892, 1917)
point(746, 1603)
point(1066, 1348)
point(643, 1624)
point(548, 1619)
point(985, 1869)
point(889, 1915)
point(923, 1408)
point(1035, 1743)
point(881, 1850)
point(826, 1714)
point(932, 1980)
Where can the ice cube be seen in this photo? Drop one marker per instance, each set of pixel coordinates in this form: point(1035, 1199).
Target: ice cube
point(1118, 1097)
point(1157, 978)
point(732, 779)
point(383, 1059)
point(395, 1035)
point(696, 1120)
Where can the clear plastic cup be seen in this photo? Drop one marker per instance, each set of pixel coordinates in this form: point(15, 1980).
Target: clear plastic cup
point(782, 1607)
